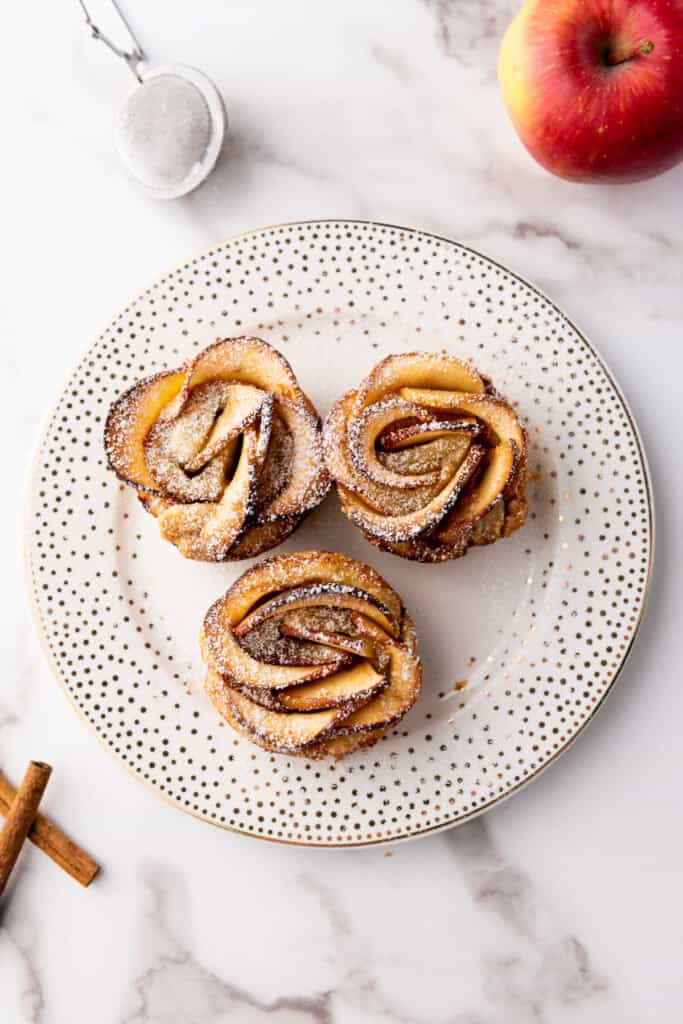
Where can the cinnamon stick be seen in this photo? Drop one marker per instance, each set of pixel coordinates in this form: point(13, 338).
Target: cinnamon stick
point(20, 817)
point(51, 840)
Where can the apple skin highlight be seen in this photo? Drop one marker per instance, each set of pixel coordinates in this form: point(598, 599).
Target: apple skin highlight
point(594, 88)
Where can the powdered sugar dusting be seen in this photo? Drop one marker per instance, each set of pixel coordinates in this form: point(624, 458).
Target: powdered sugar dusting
point(328, 624)
point(190, 450)
point(418, 497)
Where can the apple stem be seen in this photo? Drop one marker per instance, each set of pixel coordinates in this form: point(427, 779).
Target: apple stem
point(623, 55)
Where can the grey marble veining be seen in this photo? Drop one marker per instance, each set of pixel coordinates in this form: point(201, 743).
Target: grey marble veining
point(552, 965)
point(173, 985)
point(471, 30)
point(563, 905)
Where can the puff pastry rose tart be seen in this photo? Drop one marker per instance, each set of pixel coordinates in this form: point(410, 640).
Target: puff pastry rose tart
point(311, 654)
point(226, 451)
point(427, 457)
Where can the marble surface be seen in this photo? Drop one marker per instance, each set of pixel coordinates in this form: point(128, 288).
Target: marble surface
point(563, 905)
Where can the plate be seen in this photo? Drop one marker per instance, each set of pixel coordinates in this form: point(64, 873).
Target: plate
point(521, 641)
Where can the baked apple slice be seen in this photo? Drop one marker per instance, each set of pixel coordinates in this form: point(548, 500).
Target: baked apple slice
point(221, 449)
point(428, 459)
point(308, 648)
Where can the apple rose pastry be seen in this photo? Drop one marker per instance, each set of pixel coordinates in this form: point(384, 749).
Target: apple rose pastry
point(312, 654)
point(226, 452)
point(428, 459)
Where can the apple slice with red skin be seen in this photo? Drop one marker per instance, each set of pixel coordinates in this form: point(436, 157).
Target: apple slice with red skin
point(505, 460)
point(495, 413)
point(401, 437)
point(363, 434)
point(379, 497)
point(408, 526)
point(376, 496)
point(424, 369)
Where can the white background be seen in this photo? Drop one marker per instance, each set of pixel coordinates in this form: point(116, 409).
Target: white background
point(565, 904)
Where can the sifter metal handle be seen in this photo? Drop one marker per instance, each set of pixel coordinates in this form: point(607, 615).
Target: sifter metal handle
point(133, 56)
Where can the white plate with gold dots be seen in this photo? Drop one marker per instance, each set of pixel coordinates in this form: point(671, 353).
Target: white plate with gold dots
point(521, 641)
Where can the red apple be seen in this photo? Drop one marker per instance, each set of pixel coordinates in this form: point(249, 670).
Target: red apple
point(595, 87)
